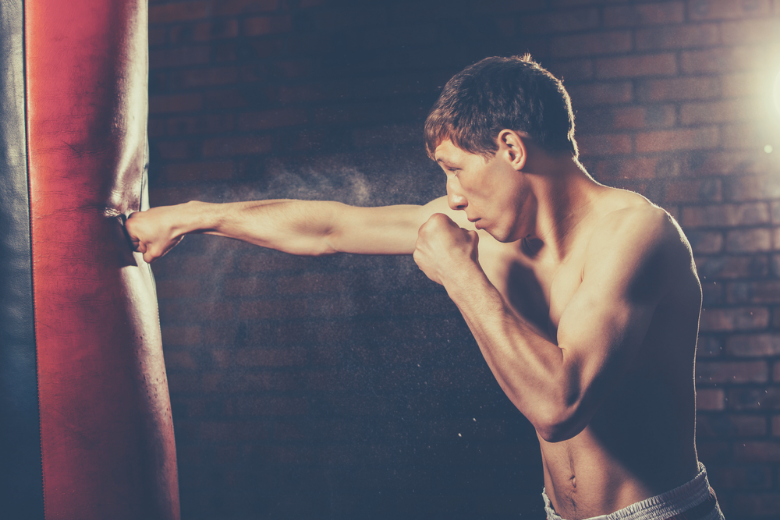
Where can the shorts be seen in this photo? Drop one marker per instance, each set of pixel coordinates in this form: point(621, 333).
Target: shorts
point(694, 500)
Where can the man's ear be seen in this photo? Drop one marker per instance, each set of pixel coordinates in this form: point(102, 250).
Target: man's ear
point(511, 143)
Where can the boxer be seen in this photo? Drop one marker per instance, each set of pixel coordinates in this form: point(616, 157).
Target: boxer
point(583, 299)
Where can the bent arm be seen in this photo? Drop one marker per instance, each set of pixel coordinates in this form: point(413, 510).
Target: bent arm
point(560, 385)
point(292, 226)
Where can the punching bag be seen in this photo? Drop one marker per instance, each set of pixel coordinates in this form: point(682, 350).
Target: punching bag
point(84, 406)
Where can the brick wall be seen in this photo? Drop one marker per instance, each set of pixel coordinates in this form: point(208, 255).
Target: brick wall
point(349, 387)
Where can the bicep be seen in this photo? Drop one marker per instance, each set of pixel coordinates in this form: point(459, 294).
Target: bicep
point(606, 321)
point(384, 230)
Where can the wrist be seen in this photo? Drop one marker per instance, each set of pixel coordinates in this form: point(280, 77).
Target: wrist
point(461, 277)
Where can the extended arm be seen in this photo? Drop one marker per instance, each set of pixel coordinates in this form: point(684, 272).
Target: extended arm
point(292, 226)
point(559, 387)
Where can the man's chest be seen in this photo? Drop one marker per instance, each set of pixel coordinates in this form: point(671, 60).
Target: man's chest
point(537, 289)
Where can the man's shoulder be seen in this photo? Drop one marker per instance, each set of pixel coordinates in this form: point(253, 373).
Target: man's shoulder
point(636, 222)
point(636, 233)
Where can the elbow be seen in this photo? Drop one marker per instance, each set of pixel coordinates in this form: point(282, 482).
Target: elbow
point(558, 422)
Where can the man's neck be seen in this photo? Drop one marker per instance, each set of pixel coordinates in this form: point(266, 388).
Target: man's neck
point(565, 194)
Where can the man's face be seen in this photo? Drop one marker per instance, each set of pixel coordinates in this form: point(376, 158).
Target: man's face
point(491, 192)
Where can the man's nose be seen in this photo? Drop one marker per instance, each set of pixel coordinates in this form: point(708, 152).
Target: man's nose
point(455, 199)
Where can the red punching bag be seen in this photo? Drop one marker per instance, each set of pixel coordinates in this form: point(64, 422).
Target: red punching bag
point(106, 435)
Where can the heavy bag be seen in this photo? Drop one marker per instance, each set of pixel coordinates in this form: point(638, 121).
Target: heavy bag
point(84, 407)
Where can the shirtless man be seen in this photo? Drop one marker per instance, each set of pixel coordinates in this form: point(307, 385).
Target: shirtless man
point(583, 299)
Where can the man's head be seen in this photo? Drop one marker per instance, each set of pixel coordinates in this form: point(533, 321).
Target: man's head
point(502, 93)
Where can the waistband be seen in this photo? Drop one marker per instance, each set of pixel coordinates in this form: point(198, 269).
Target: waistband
point(694, 500)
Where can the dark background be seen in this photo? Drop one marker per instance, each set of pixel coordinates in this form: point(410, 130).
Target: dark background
point(349, 387)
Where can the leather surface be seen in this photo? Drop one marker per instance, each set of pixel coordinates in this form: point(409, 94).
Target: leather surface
point(21, 489)
point(106, 429)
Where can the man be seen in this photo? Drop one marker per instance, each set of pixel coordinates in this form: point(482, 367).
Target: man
point(583, 299)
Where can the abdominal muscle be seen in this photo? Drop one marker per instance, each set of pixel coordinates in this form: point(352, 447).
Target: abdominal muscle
point(638, 445)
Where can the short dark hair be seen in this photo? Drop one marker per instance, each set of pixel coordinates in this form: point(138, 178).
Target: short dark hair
point(499, 93)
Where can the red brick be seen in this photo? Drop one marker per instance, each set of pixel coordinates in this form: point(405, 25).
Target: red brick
point(636, 66)
point(591, 43)
point(732, 425)
point(235, 431)
point(710, 399)
point(629, 168)
point(723, 59)
point(179, 382)
point(748, 136)
point(238, 145)
point(726, 215)
point(601, 93)
point(764, 505)
point(257, 357)
point(179, 360)
point(396, 134)
point(272, 119)
point(276, 262)
point(612, 144)
point(174, 57)
point(313, 283)
point(215, 30)
point(742, 85)
point(205, 124)
point(733, 164)
point(178, 12)
point(715, 112)
point(177, 288)
point(740, 318)
point(710, 372)
point(157, 36)
point(571, 70)
point(271, 406)
point(752, 187)
point(758, 451)
point(750, 477)
point(677, 36)
point(766, 291)
point(672, 140)
point(693, 190)
point(679, 89)
point(750, 31)
point(180, 335)
point(705, 241)
point(645, 116)
point(363, 112)
point(247, 287)
point(647, 14)
point(749, 240)
point(708, 347)
point(753, 345)
point(726, 267)
point(776, 426)
point(266, 25)
point(561, 21)
point(174, 149)
point(727, 9)
point(204, 77)
point(272, 309)
point(159, 104)
point(776, 373)
point(762, 398)
point(234, 7)
point(174, 266)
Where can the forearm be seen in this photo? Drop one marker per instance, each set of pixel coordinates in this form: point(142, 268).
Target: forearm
point(528, 366)
point(297, 227)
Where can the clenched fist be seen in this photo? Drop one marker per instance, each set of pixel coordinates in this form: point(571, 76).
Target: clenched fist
point(152, 233)
point(443, 248)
